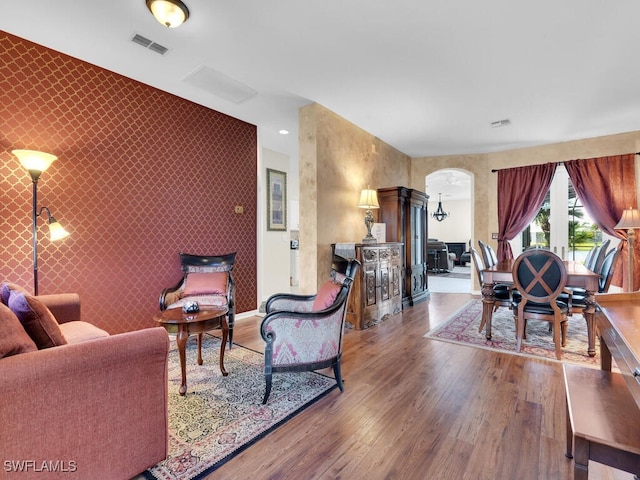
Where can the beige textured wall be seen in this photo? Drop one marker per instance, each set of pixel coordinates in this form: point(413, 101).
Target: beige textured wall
point(485, 182)
point(477, 166)
point(337, 160)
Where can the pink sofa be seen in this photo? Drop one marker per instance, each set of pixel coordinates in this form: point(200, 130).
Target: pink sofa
point(93, 408)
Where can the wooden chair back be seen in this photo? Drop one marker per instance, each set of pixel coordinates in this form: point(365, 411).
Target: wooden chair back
point(539, 275)
point(477, 262)
point(486, 255)
point(608, 267)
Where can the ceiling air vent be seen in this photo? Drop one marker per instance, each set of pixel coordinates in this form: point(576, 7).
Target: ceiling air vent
point(501, 123)
point(220, 85)
point(146, 43)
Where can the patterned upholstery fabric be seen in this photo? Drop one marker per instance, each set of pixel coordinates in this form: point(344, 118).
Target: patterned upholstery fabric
point(300, 339)
point(214, 300)
point(291, 305)
point(207, 269)
point(306, 341)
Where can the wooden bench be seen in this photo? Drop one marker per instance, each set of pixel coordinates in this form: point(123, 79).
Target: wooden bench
point(602, 419)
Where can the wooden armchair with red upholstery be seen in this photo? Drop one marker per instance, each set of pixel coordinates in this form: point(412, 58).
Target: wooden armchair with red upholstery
point(206, 279)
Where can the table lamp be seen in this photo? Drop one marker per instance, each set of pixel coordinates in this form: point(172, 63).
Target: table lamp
point(368, 200)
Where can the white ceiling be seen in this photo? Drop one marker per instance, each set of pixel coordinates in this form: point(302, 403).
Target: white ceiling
point(426, 76)
point(451, 183)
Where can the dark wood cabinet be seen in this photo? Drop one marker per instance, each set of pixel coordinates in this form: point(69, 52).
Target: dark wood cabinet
point(377, 287)
point(404, 211)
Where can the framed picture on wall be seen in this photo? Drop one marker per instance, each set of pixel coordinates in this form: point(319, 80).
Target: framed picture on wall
point(276, 200)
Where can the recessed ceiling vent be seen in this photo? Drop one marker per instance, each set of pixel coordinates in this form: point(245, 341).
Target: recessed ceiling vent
point(146, 43)
point(221, 85)
point(501, 123)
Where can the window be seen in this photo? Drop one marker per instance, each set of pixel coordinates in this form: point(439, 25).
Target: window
point(562, 224)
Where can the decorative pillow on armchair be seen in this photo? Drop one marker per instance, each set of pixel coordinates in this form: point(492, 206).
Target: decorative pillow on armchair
point(37, 320)
point(213, 283)
point(13, 338)
point(326, 296)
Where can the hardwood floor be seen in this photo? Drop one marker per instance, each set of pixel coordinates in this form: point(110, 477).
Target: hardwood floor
point(417, 408)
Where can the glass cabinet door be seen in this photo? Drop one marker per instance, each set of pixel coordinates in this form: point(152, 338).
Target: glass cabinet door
point(418, 228)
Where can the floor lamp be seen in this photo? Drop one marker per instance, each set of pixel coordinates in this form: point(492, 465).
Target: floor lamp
point(629, 221)
point(36, 163)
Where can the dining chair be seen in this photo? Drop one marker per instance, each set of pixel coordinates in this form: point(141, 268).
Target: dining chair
point(502, 293)
point(579, 296)
point(540, 277)
point(588, 260)
point(488, 254)
point(595, 262)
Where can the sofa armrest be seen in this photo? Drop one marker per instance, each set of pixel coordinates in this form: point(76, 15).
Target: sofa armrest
point(65, 307)
point(99, 406)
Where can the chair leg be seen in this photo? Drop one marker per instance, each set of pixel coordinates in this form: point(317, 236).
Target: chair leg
point(524, 333)
point(338, 375)
point(231, 318)
point(556, 338)
point(563, 327)
point(267, 391)
point(519, 332)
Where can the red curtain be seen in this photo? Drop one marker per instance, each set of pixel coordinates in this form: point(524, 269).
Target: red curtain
point(607, 186)
point(521, 192)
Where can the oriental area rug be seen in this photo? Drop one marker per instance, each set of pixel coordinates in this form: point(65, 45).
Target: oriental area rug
point(220, 417)
point(462, 328)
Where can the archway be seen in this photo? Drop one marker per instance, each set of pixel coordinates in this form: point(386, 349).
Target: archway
point(453, 187)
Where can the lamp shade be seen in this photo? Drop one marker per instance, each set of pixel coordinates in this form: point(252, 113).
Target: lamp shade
point(368, 199)
point(630, 219)
point(33, 160)
point(170, 13)
point(56, 231)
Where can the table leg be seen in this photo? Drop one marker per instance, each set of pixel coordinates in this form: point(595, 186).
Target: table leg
point(581, 459)
point(590, 317)
point(605, 356)
point(200, 348)
point(487, 309)
point(181, 341)
point(224, 326)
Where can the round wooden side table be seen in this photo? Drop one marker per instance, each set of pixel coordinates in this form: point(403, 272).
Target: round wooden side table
point(174, 320)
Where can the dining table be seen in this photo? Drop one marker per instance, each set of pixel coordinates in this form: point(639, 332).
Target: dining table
point(578, 276)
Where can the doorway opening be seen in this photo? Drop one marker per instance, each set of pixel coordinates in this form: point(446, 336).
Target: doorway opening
point(450, 193)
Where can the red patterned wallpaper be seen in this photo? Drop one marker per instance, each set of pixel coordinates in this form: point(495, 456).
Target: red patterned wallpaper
point(141, 175)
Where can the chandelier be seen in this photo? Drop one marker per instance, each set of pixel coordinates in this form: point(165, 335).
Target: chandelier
point(440, 214)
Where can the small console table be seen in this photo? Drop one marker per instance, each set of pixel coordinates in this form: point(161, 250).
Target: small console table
point(603, 407)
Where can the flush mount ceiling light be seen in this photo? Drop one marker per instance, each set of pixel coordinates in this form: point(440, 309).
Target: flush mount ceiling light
point(170, 13)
